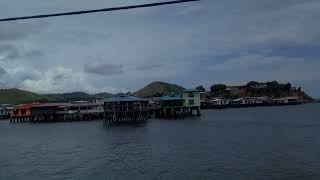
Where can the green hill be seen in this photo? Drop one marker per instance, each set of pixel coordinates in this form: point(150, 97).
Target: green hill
point(17, 96)
point(158, 89)
point(66, 97)
point(103, 95)
point(78, 96)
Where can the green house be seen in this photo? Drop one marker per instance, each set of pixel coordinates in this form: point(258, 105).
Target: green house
point(191, 98)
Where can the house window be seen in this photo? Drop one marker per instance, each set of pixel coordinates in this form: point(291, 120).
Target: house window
point(15, 112)
point(191, 102)
point(190, 94)
point(23, 111)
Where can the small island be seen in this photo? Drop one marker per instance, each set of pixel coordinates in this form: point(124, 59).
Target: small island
point(253, 94)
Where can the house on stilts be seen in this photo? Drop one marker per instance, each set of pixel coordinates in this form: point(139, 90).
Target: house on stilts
point(53, 112)
point(120, 109)
point(187, 104)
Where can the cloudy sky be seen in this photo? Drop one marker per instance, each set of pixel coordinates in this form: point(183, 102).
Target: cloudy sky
point(206, 42)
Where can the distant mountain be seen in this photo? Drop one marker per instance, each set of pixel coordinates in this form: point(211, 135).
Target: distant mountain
point(78, 96)
point(67, 97)
point(158, 89)
point(17, 96)
point(103, 95)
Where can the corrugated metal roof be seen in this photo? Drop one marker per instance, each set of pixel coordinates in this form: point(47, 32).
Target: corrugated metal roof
point(167, 98)
point(191, 90)
point(25, 106)
point(85, 104)
point(6, 106)
point(124, 99)
point(51, 105)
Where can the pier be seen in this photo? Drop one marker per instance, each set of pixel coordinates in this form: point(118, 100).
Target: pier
point(114, 110)
point(125, 109)
point(57, 112)
point(22, 113)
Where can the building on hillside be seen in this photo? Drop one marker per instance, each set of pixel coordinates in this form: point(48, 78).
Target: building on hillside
point(220, 101)
point(294, 100)
point(235, 90)
point(215, 103)
point(246, 102)
point(120, 109)
point(264, 100)
point(5, 111)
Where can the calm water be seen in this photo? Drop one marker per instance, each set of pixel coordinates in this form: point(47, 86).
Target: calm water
point(254, 143)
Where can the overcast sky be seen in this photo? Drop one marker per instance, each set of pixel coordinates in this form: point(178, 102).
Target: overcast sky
point(206, 42)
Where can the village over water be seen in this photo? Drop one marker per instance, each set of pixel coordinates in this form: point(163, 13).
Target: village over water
point(140, 106)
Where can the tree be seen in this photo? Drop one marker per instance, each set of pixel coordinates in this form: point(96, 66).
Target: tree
point(158, 94)
point(253, 84)
point(288, 87)
point(218, 88)
point(299, 90)
point(201, 88)
point(273, 84)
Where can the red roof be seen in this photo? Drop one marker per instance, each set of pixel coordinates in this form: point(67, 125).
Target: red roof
point(25, 106)
point(52, 105)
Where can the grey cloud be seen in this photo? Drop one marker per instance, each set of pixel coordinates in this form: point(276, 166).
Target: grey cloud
point(89, 34)
point(188, 39)
point(22, 75)
point(2, 71)
point(102, 68)
point(254, 62)
point(149, 67)
point(17, 30)
point(59, 77)
point(8, 52)
point(80, 37)
point(34, 53)
point(14, 42)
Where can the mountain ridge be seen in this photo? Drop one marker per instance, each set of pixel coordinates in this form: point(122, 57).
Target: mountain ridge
point(18, 96)
point(78, 96)
point(159, 88)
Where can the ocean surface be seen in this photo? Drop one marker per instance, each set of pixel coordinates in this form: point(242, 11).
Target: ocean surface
point(281, 143)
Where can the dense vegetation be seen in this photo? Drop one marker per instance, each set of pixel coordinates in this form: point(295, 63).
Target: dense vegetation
point(158, 89)
point(271, 89)
point(78, 96)
point(17, 96)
